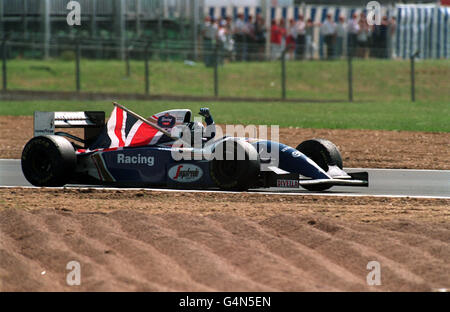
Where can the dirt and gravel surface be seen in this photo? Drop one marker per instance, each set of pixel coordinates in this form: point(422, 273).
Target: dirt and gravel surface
point(359, 148)
point(173, 241)
point(160, 241)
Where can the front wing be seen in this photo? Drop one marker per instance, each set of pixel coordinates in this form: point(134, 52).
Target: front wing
point(277, 178)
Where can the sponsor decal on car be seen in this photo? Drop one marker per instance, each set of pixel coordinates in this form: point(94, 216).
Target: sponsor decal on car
point(166, 121)
point(296, 154)
point(287, 183)
point(135, 160)
point(185, 173)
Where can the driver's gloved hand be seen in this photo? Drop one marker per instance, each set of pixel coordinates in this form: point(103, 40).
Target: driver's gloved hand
point(204, 112)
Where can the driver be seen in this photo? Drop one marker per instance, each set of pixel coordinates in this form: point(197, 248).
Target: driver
point(198, 130)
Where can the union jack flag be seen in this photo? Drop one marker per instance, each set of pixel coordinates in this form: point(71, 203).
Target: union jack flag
point(124, 130)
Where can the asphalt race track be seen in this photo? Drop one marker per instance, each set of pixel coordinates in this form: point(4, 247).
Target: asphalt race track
point(383, 182)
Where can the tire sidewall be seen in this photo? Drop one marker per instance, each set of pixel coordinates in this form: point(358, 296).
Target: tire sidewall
point(247, 170)
point(324, 153)
point(56, 153)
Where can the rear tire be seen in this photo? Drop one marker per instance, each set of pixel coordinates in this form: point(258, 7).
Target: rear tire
point(324, 153)
point(48, 161)
point(236, 175)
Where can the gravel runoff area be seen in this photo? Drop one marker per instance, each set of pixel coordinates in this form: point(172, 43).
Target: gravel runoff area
point(173, 241)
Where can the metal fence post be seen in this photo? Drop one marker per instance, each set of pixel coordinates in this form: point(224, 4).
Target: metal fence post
point(4, 78)
point(283, 74)
point(77, 65)
point(350, 77)
point(216, 71)
point(147, 79)
point(127, 60)
point(413, 76)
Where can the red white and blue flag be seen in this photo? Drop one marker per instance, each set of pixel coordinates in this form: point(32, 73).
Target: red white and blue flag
point(124, 130)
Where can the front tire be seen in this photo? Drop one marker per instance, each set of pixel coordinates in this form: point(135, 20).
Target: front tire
point(324, 153)
point(232, 173)
point(48, 161)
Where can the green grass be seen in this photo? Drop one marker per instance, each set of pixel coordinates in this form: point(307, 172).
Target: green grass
point(392, 115)
point(381, 90)
point(374, 80)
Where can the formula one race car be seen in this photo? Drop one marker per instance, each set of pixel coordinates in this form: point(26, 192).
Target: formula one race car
point(169, 150)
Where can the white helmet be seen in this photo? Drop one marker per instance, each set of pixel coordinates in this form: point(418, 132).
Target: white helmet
point(197, 127)
point(194, 128)
point(197, 130)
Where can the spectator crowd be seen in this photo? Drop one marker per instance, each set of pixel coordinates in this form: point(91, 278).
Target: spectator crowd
point(245, 38)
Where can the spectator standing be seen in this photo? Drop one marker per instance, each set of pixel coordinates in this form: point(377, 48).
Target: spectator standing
point(222, 40)
point(209, 33)
point(230, 41)
point(282, 27)
point(229, 25)
point(353, 30)
point(229, 45)
point(260, 36)
point(321, 41)
point(380, 38)
point(384, 36)
point(240, 37)
point(392, 32)
point(301, 38)
point(276, 38)
point(341, 34)
point(363, 37)
point(291, 39)
point(250, 38)
point(329, 34)
point(309, 31)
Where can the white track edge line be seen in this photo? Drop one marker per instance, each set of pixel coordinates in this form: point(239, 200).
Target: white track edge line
point(399, 169)
point(229, 192)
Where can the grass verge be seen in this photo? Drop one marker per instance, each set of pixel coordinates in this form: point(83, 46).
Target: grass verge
point(374, 80)
point(395, 115)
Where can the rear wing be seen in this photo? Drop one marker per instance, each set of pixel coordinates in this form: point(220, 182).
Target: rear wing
point(93, 122)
